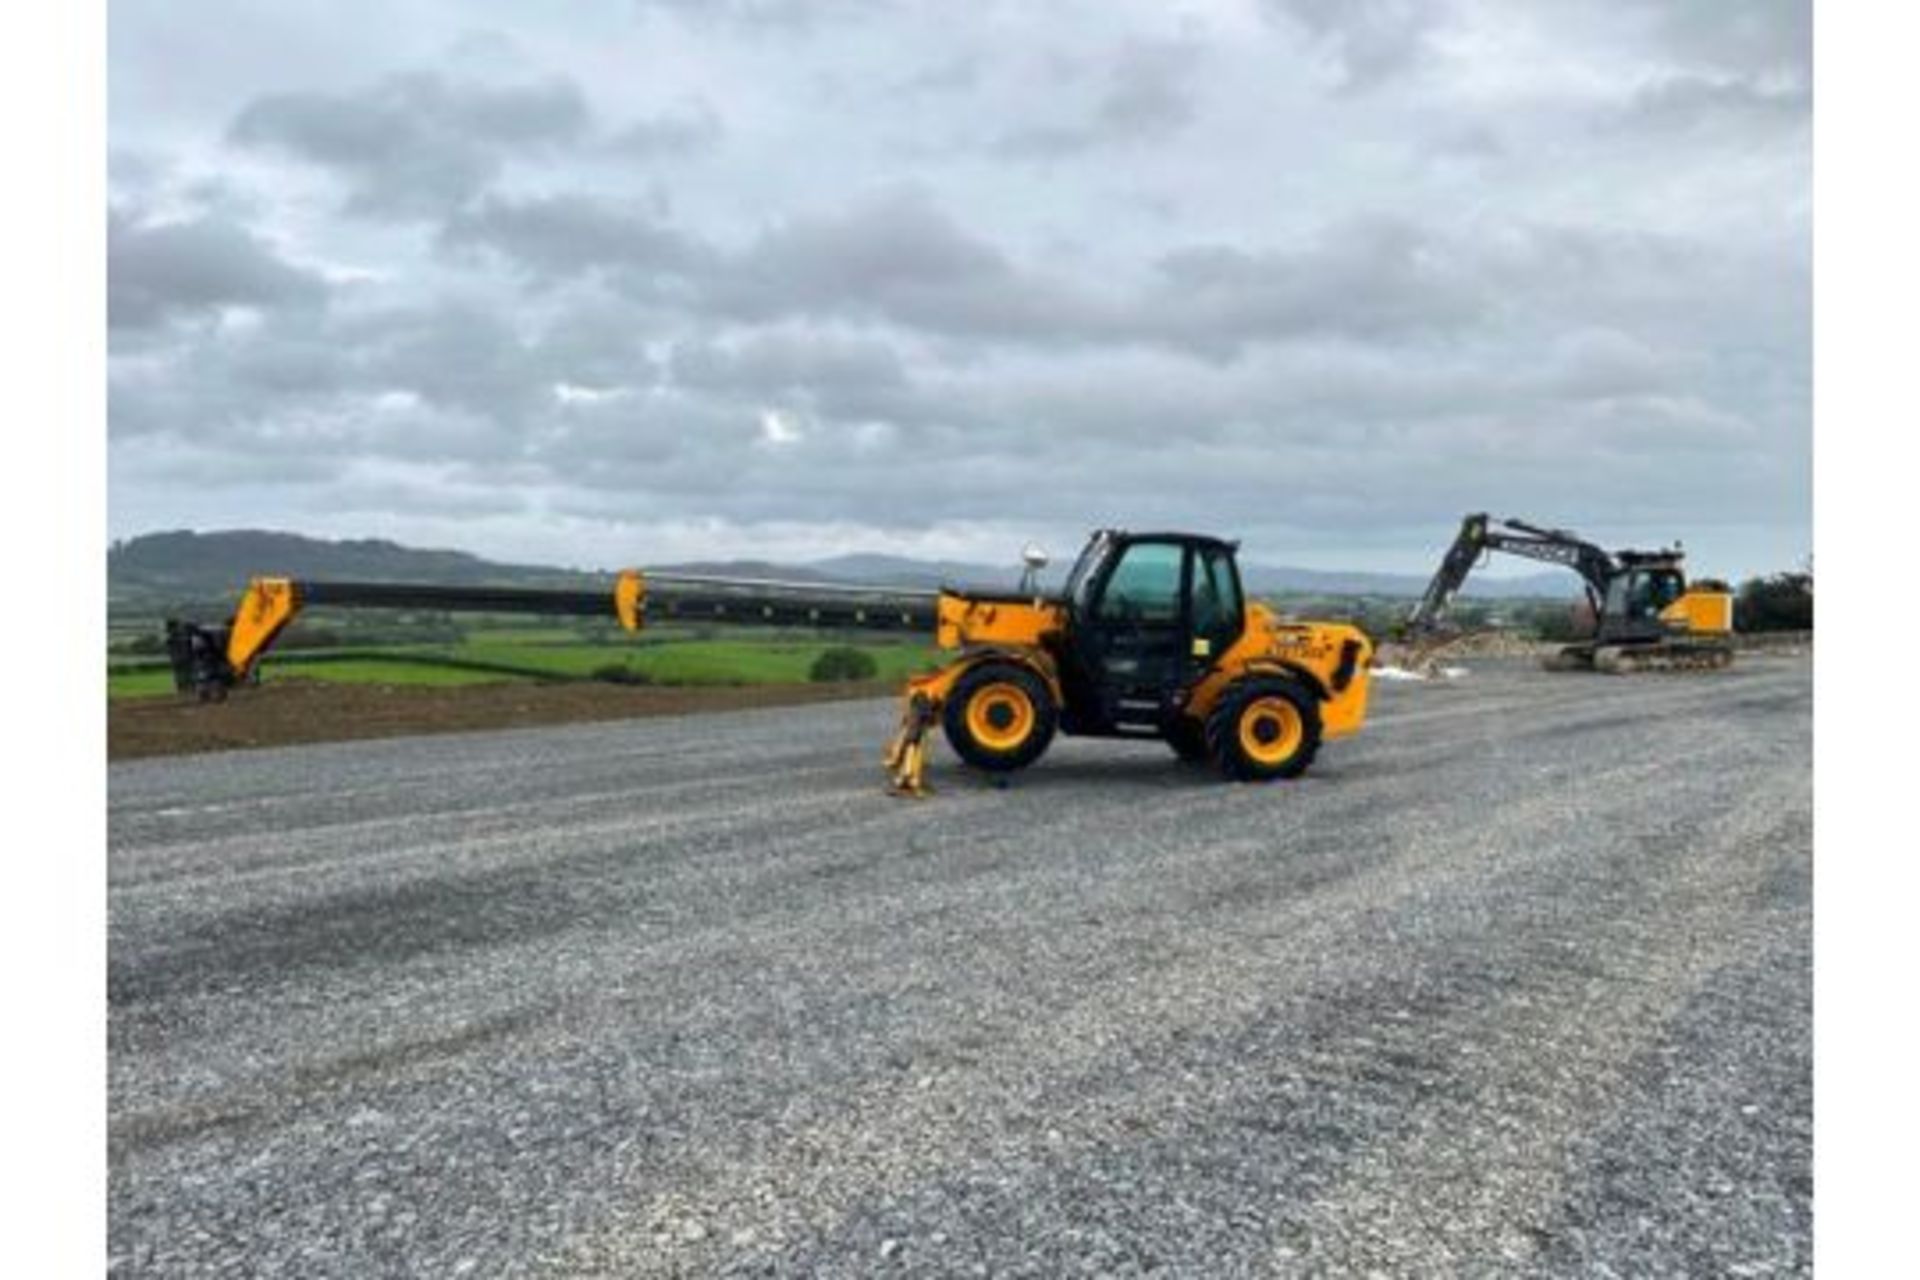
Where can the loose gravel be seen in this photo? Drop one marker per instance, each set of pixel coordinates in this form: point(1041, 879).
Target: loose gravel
point(1515, 983)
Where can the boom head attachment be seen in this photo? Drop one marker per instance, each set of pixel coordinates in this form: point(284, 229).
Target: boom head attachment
point(208, 661)
point(630, 599)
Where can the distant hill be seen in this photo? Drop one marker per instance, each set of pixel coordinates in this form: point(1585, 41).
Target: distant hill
point(905, 571)
point(161, 569)
point(179, 566)
point(749, 569)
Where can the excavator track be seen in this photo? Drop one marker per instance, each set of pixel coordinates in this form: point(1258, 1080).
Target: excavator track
point(1638, 659)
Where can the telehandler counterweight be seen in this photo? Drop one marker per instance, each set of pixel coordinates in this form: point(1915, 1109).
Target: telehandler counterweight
point(1151, 637)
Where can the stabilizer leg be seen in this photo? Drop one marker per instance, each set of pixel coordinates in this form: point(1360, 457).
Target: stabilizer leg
point(906, 757)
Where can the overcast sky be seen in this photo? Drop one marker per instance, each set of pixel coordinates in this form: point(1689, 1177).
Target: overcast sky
point(606, 283)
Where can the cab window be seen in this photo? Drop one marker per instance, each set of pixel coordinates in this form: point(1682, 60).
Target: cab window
point(1216, 595)
point(1144, 586)
point(1645, 593)
point(1616, 603)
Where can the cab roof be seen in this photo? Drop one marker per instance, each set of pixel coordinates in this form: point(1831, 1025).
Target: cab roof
point(1171, 535)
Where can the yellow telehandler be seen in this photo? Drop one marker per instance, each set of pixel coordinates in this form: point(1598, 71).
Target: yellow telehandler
point(1150, 637)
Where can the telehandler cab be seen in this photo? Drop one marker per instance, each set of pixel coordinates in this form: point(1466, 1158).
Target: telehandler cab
point(1151, 636)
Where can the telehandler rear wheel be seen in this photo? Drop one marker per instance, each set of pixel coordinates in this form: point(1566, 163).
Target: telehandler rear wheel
point(1264, 727)
point(1000, 717)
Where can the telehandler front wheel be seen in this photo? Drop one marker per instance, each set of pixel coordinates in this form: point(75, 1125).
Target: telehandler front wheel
point(1000, 717)
point(1264, 728)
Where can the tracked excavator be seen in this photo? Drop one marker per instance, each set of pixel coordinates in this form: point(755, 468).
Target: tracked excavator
point(1647, 616)
point(1151, 636)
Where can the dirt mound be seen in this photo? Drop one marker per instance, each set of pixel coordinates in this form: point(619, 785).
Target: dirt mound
point(293, 711)
point(1394, 654)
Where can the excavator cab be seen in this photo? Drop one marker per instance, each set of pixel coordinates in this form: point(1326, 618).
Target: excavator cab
point(1635, 599)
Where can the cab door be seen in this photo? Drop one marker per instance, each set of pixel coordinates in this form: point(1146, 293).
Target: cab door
point(1216, 610)
point(1136, 632)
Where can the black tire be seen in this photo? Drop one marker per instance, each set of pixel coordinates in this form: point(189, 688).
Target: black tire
point(1251, 696)
point(1188, 738)
point(994, 680)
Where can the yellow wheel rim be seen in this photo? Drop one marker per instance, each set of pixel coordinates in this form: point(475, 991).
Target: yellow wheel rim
point(1000, 716)
point(1271, 730)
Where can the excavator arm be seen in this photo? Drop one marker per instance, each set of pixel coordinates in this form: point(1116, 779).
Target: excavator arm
point(1460, 560)
point(1478, 536)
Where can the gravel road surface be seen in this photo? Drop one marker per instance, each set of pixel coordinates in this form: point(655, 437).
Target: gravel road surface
point(1516, 982)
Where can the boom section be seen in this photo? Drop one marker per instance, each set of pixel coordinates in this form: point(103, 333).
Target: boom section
point(1556, 546)
point(683, 597)
point(208, 660)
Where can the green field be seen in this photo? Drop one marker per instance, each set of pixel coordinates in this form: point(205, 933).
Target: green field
point(495, 655)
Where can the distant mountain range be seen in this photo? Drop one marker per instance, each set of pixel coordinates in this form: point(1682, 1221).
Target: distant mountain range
point(159, 569)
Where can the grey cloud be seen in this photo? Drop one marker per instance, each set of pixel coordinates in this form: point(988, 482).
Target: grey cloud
point(773, 363)
point(1605, 363)
point(767, 16)
point(1148, 95)
point(1757, 38)
point(456, 355)
point(841, 379)
point(1406, 426)
point(1582, 321)
point(1693, 103)
point(134, 172)
point(901, 261)
point(431, 496)
point(950, 75)
point(1472, 142)
point(1371, 277)
point(415, 145)
point(559, 237)
point(286, 365)
point(1370, 41)
point(678, 132)
point(897, 257)
point(161, 271)
point(596, 342)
